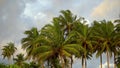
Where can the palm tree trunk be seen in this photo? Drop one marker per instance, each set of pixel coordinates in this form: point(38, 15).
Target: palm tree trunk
point(100, 60)
point(71, 61)
point(48, 63)
point(114, 61)
point(108, 59)
point(85, 64)
point(82, 62)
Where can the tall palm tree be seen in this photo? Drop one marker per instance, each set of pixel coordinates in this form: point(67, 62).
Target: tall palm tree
point(104, 31)
point(83, 32)
point(66, 20)
point(9, 50)
point(19, 60)
point(97, 44)
point(28, 43)
point(54, 45)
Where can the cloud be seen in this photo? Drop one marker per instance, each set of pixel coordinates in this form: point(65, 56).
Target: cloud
point(11, 25)
point(108, 9)
point(41, 12)
point(105, 65)
point(16, 16)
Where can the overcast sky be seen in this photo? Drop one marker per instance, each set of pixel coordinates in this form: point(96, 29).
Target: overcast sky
point(16, 16)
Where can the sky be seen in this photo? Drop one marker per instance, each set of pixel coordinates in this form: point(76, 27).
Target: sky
point(16, 16)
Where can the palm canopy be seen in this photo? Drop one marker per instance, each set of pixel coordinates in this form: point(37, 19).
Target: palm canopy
point(82, 33)
point(108, 39)
point(28, 42)
point(54, 45)
point(8, 50)
point(19, 60)
point(66, 20)
point(105, 32)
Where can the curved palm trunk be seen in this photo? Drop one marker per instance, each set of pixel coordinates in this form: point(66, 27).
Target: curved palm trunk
point(101, 61)
point(114, 61)
point(108, 59)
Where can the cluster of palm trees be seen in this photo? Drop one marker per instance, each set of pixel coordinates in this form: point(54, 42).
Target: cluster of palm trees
point(55, 45)
point(19, 61)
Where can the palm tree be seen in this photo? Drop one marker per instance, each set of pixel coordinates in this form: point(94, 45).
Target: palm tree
point(104, 31)
point(97, 44)
point(54, 46)
point(97, 49)
point(66, 20)
point(83, 33)
point(19, 60)
point(28, 43)
point(6, 52)
point(12, 48)
point(9, 50)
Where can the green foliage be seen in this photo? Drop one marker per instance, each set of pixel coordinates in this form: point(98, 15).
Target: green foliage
point(2, 65)
point(13, 66)
point(20, 60)
point(28, 43)
point(8, 50)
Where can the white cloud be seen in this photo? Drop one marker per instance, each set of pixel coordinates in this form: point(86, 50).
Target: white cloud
point(39, 16)
point(108, 9)
point(35, 8)
point(105, 65)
